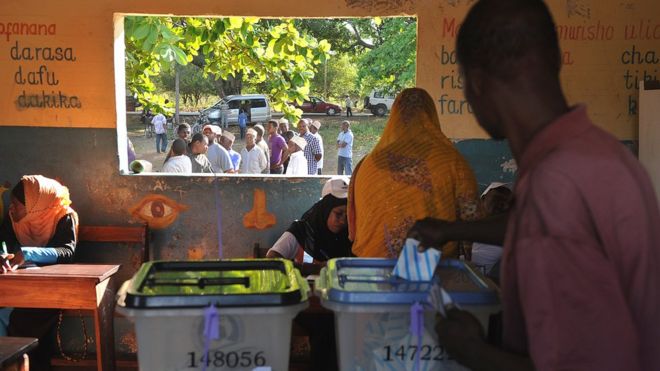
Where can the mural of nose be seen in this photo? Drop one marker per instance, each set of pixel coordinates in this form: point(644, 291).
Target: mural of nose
point(259, 217)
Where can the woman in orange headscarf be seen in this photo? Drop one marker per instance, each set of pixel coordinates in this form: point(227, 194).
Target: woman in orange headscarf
point(413, 172)
point(42, 227)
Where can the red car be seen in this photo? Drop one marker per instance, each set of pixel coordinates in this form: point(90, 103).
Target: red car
point(318, 105)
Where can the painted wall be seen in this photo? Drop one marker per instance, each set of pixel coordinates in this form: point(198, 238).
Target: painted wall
point(62, 106)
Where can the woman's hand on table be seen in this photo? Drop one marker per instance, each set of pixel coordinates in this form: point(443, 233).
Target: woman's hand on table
point(6, 261)
point(11, 262)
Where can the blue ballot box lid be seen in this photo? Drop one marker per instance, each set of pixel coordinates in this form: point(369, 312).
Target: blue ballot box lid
point(370, 281)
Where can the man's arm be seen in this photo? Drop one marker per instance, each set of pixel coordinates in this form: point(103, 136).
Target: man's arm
point(431, 232)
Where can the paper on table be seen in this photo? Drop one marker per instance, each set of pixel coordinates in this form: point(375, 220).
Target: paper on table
point(415, 266)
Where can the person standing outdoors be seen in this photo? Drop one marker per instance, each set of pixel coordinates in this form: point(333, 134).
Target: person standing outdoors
point(349, 105)
point(199, 145)
point(217, 154)
point(261, 142)
point(160, 128)
point(224, 114)
point(297, 161)
point(227, 141)
point(242, 123)
point(178, 161)
point(314, 128)
point(345, 149)
point(312, 150)
point(278, 148)
point(253, 160)
point(580, 268)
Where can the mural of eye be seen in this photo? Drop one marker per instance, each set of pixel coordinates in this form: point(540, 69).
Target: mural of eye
point(157, 210)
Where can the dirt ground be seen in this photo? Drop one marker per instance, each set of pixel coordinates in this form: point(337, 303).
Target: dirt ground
point(366, 130)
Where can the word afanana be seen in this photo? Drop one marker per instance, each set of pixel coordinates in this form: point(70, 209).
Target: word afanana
point(26, 29)
point(45, 100)
point(18, 53)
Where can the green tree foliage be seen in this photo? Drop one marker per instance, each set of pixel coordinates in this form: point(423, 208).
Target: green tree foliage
point(193, 85)
point(385, 48)
point(341, 77)
point(231, 48)
point(391, 65)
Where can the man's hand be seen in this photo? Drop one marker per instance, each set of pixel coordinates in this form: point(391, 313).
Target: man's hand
point(460, 333)
point(430, 232)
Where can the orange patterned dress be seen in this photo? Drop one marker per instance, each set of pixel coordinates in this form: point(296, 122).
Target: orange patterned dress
point(413, 172)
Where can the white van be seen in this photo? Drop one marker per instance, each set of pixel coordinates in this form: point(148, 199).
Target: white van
point(256, 106)
point(379, 103)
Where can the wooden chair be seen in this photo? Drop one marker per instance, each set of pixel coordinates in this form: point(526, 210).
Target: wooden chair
point(98, 244)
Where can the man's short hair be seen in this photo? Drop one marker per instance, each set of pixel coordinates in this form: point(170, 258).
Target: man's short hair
point(497, 34)
point(179, 147)
point(183, 127)
point(198, 137)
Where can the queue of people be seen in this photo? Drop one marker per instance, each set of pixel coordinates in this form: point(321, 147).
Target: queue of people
point(273, 140)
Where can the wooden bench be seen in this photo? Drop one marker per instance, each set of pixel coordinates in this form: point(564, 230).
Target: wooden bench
point(118, 234)
point(94, 243)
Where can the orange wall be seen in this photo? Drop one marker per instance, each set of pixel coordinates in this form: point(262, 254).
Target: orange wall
point(595, 70)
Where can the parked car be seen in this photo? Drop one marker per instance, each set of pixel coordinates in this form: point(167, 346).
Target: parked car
point(256, 105)
point(318, 105)
point(379, 103)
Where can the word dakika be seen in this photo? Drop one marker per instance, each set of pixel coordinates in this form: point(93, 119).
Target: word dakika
point(45, 100)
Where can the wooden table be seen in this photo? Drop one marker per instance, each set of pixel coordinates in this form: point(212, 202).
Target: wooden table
point(12, 350)
point(69, 286)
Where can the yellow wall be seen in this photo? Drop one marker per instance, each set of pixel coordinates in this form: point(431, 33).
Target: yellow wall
point(595, 70)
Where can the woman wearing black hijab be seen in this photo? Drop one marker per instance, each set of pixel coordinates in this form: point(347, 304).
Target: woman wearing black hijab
point(321, 233)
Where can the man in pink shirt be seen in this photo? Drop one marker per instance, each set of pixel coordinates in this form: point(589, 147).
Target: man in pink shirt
point(581, 262)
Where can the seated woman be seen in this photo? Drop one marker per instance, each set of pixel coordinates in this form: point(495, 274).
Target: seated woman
point(42, 229)
point(321, 233)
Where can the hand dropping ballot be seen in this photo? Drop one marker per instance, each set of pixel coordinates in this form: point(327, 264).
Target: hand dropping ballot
point(414, 265)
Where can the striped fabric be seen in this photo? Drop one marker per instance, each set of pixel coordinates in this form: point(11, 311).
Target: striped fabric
point(414, 265)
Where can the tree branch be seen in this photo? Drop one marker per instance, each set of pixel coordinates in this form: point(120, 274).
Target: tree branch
point(359, 41)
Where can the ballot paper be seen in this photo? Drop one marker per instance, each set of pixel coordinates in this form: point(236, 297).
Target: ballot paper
point(414, 265)
point(440, 299)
